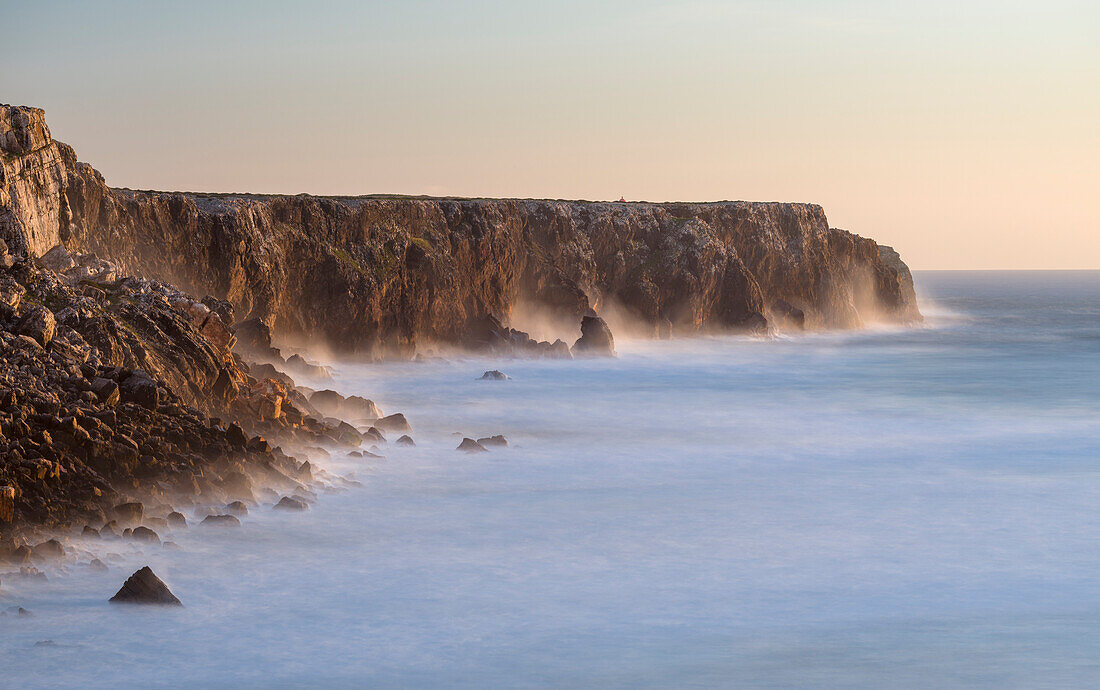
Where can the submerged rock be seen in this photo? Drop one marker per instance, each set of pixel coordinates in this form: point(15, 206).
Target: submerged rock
point(144, 587)
point(497, 441)
point(291, 503)
point(469, 445)
point(221, 521)
point(237, 508)
point(406, 441)
point(495, 375)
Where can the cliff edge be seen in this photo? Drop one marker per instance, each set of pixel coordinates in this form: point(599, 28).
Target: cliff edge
point(382, 274)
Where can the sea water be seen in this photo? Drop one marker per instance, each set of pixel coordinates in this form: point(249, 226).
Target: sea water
point(901, 507)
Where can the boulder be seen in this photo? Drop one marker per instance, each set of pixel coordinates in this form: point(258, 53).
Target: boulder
point(596, 339)
point(128, 513)
point(142, 533)
point(140, 389)
point(406, 441)
point(291, 503)
point(106, 391)
point(144, 587)
point(469, 445)
point(177, 520)
point(328, 402)
point(237, 508)
point(50, 550)
point(495, 375)
point(394, 422)
point(221, 521)
point(58, 259)
point(360, 408)
point(497, 441)
point(37, 323)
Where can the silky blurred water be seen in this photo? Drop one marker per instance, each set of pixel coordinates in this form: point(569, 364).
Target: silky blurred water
point(888, 508)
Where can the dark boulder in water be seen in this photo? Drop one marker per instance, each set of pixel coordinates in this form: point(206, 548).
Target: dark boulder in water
point(469, 445)
point(221, 521)
point(495, 375)
point(144, 587)
point(406, 441)
point(290, 503)
point(596, 339)
point(177, 519)
point(497, 441)
point(237, 508)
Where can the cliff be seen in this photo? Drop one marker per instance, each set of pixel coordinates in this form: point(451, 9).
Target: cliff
point(381, 274)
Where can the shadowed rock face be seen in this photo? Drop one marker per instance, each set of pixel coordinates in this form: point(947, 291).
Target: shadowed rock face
point(380, 274)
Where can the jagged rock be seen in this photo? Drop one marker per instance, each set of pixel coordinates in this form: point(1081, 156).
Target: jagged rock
point(290, 503)
point(235, 435)
point(221, 521)
point(497, 441)
point(495, 375)
point(38, 323)
point(595, 340)
point(394, 422)
point(90, 532)
point(469, 445)
point(237, 508)
point(406, 441)
point(106, 391)
point(144, 587)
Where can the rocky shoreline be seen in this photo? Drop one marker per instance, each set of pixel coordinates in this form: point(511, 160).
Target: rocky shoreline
point(126, 401)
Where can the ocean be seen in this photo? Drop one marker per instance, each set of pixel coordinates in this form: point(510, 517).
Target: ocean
point(892, 507)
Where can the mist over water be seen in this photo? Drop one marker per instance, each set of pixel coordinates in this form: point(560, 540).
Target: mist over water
point(892, 507)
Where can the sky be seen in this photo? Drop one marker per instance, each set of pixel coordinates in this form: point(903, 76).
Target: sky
point(965, 133)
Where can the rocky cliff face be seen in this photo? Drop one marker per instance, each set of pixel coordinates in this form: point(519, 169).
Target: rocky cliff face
point(383, 274)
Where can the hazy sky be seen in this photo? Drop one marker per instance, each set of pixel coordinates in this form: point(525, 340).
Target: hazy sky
point(965, 133)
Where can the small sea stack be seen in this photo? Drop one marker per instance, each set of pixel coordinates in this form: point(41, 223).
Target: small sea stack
point(144, 587)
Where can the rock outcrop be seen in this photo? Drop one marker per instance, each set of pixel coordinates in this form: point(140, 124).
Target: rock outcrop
point(144, 587)
point(384, 274)
point(595, 340)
